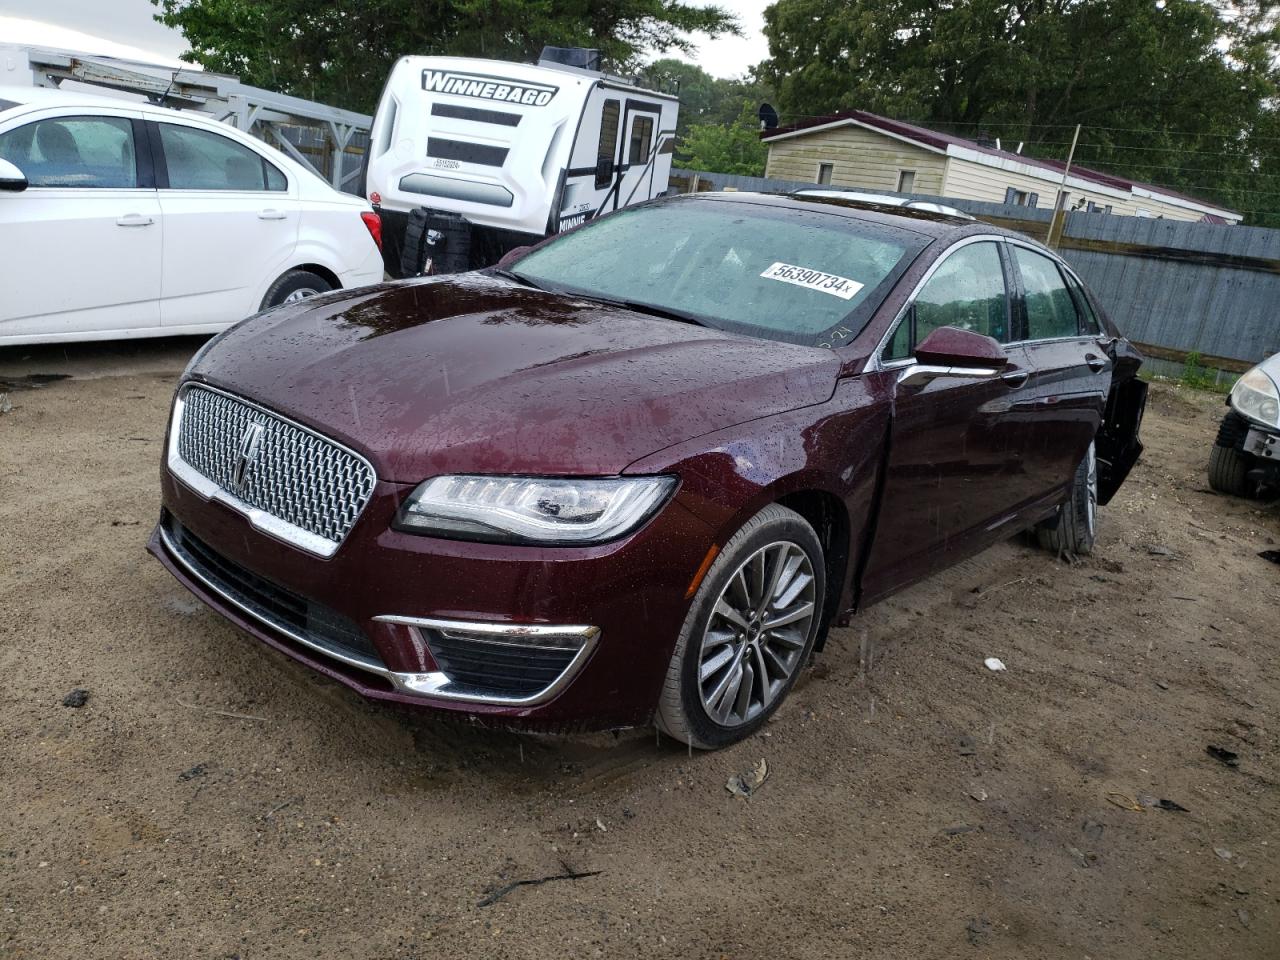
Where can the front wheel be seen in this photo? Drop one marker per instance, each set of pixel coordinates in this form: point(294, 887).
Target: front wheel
point(750, 629)
point(1229, 466)
point(1071, 532)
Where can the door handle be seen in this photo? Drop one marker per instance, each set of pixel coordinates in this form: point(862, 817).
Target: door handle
point(1016, 378)
point(1095, 363)
point(134, 220)
point(271, 214)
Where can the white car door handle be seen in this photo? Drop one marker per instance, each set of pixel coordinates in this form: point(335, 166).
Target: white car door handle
point(270, 214)
point(134, 220)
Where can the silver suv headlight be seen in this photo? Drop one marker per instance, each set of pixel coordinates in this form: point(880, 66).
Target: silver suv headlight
point(532, 510)
point(1256, 396)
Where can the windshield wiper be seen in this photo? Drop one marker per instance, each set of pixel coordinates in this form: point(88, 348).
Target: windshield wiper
point(652, 309)
point(519, 278)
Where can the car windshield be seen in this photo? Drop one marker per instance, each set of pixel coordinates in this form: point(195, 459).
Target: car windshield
point(800, 276)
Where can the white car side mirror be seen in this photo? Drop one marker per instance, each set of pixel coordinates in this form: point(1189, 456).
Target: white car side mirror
point(11, 178)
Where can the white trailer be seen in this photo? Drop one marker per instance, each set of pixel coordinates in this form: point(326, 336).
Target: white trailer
point(519, 151)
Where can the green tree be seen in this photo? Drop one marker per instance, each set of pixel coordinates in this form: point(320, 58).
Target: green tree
point(728, 147)
point(704, 99)
point(1176, 92)
point(341, 52)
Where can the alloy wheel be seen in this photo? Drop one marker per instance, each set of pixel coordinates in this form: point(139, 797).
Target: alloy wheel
point(757, 633)
point(1091, 484)
point(300, 294)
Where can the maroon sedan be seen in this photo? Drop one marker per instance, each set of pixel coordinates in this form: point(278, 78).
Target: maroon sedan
point(634, 474)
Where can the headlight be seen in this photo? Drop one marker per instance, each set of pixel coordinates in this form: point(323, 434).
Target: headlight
point(542, 510)
point(1255, 395)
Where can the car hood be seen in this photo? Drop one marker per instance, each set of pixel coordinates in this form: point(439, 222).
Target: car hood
point(472, 373)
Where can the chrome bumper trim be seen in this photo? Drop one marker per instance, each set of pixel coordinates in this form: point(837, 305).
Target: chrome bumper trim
point(434, 685)
point(439, 685)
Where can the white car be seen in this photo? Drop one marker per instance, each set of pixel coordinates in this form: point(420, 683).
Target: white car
point(120, 219)
point(885, 200)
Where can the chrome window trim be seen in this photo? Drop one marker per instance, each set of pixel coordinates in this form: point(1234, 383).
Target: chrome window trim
point(874, 363)
point(422, 685)
point(259, 519)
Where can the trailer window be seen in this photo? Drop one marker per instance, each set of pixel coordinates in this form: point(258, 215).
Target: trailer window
point(608, 143)
point(641, 139)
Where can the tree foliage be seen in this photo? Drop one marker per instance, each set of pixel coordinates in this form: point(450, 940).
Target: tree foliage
point(341, 52)
point(1175, 92)
point(727, 147)
point(704, 100)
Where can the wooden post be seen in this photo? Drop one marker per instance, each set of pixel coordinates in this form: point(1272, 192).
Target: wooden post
point(1058, 222)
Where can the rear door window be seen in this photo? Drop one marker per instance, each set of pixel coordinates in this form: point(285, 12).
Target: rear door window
point(1088, 319)
point(1051, 312)
point(88, 152)
point(200, 160)
point(966, 291)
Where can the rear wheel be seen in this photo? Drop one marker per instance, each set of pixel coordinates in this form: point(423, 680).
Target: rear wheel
point(293, 286)
point(750, 629)
point(1072, 532)
point(1228, 465)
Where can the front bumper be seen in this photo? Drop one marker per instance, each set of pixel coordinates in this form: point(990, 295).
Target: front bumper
point(415, 612)
point(1262, 443)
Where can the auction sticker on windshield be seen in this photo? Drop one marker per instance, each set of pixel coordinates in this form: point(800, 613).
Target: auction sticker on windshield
point(841, 287)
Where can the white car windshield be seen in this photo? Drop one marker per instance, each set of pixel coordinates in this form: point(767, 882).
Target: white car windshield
point(771, 271)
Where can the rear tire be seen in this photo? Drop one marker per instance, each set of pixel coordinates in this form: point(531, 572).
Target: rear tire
point(1228, 465)
point(1076, 525)
point(295, 285)
point(755, 617)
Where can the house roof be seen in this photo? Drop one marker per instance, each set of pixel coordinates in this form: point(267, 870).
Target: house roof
point(972, 150)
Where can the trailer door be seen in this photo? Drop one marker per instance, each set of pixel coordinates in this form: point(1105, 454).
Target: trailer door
point(636, 161)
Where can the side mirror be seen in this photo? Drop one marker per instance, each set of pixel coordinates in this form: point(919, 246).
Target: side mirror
point(512, 255)
point(11, 178)
point(952, 352)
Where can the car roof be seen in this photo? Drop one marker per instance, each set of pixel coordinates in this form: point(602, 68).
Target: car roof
point(51, 97)
point(926, 222)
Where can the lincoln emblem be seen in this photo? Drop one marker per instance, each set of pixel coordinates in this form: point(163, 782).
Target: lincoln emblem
point(249, 442)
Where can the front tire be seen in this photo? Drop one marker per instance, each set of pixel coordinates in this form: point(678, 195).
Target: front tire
point(1076, 526)
point(749, 631)
point(295, 285)
point(1228, 465)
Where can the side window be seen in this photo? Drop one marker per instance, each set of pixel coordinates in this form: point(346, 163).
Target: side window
point(1050, 310)
point(641, 138)
point(966, 291)
point(200, 160)
point(92, 152)
point(1088, 319)
point(608, 142)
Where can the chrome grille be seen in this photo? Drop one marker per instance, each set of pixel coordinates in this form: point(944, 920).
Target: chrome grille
point(297, 476)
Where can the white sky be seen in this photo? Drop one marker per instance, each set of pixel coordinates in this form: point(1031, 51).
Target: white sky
point(130, 22)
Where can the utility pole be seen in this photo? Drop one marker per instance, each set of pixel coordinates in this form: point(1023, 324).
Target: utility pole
point(1059, 221)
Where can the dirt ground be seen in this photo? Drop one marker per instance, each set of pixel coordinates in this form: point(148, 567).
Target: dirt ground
point(214, 800)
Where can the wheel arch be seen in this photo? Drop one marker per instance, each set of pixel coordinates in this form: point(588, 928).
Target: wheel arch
point(829, 517)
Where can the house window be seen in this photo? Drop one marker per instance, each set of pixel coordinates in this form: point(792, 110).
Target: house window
point(906, 181)
point(824, 172)
point(1021, 198)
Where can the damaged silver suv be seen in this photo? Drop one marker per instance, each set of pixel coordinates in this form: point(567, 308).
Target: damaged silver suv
point(1245, 460)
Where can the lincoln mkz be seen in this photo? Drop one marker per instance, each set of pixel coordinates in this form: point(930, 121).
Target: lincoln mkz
point(634, 474)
